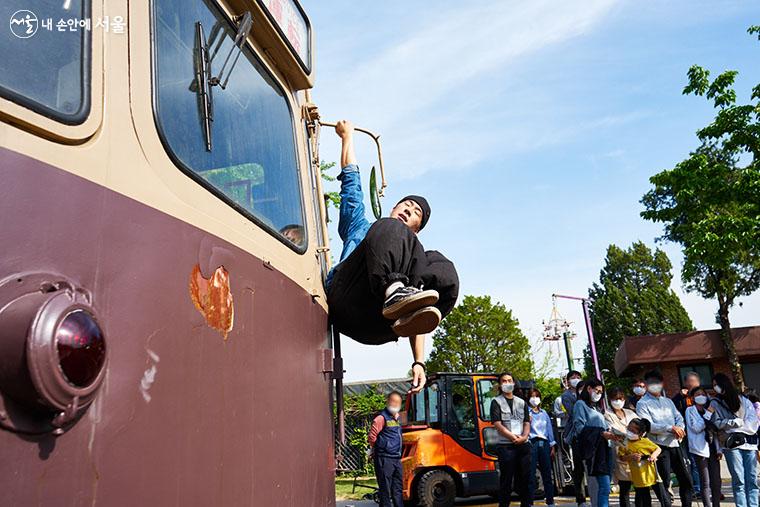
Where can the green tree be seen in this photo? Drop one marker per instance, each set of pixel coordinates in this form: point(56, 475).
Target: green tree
point(710, 202)
point(332, 199)
point(633, 297)
point(359, 410)
point(481, 336)
point(547, 381)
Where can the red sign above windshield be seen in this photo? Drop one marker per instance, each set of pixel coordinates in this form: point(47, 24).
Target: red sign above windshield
point(293, 26)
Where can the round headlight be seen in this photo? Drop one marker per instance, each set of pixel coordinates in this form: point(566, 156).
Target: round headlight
point(53, 353)
point(81, 348)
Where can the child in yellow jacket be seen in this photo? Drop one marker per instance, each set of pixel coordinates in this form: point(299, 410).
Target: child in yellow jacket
point(641, 455)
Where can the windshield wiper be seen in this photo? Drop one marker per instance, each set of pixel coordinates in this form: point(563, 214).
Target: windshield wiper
point(202, 72)
point(203, 78)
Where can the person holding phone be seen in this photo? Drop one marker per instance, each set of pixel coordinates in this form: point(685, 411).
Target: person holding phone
point(590, 431)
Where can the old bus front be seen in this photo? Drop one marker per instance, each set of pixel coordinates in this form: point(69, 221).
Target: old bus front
point(162, 317)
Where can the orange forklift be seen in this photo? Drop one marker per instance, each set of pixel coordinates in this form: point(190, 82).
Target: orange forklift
point(448, 440)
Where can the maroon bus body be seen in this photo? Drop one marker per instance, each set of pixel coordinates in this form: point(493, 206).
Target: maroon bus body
point(183, 417)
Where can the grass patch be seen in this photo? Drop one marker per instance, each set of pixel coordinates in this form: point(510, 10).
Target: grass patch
point(344, 485)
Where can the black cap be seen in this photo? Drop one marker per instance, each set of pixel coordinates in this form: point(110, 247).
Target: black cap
point(422, 202)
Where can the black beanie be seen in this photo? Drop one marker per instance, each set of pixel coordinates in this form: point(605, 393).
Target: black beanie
point(423, 204)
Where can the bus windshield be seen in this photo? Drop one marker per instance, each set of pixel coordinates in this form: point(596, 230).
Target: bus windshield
point(253, 164)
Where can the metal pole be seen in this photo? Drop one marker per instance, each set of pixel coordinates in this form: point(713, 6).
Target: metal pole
point(589, 330)
point(568, 350)
point(338, 376)
point(591, 340)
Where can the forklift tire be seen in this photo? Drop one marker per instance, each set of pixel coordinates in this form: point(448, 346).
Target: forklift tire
point(436, 488)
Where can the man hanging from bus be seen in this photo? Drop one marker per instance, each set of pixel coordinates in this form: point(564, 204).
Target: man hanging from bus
point(386, 285)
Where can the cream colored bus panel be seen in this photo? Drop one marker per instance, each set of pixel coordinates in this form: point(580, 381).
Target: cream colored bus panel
point(173, 192)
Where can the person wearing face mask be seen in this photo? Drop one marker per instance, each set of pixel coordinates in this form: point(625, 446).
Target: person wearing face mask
point(682, 400)
point(512, 421)
point(702, 447)
point(590, 431)
point(385, 444)
point(617, 418)
point(667, 429)
point(639, 389)
point(641, 455)
point(737, 423)
point(569, 397)
point(542, 447)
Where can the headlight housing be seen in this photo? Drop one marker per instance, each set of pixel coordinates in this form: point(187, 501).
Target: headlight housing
point(53, 352)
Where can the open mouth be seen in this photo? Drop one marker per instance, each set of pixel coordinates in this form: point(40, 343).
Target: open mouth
point(402, 218)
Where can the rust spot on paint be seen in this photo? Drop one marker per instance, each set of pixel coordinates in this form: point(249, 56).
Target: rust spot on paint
point(212, 297)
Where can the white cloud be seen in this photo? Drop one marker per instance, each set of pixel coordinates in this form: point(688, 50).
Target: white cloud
point(411, 91)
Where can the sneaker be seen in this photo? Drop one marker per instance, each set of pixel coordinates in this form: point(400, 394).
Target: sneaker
point(407, 300)
point(423, 321)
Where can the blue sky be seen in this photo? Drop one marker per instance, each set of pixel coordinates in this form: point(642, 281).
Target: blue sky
point(531, 127)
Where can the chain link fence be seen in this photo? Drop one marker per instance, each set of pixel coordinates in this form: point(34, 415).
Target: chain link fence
point(351, 457)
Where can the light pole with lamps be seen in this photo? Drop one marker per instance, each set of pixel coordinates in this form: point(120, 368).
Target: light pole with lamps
point(589, 330)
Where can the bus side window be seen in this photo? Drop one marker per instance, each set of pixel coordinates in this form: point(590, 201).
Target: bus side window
point(252, 164)
point(43, 68)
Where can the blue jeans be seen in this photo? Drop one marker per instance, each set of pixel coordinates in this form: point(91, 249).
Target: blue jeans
point(695, 479)
point(742, 463)
point(599, 487)
point(541, 457)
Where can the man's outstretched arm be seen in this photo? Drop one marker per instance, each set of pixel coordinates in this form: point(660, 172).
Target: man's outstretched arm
point(345, 131)
point(352, 219)
point(419, 378)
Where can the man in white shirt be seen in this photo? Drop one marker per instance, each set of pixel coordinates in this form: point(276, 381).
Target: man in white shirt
point(667, 431)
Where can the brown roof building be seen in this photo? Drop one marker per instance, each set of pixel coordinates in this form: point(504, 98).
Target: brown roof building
point(679, 353)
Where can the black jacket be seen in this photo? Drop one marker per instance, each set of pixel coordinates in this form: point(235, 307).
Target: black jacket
point(595, 452)
point(679, 400)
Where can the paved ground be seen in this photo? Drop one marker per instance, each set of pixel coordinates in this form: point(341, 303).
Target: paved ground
point(487, 502)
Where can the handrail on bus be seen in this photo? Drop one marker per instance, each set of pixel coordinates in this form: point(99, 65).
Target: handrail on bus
point(376, 138)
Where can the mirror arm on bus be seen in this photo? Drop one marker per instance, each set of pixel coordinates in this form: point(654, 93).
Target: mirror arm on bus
point(242, 32)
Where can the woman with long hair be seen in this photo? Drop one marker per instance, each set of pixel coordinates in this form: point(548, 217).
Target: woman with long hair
point(703, 447)
point(737, 423)
point(618, 417)
point(591, 433)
